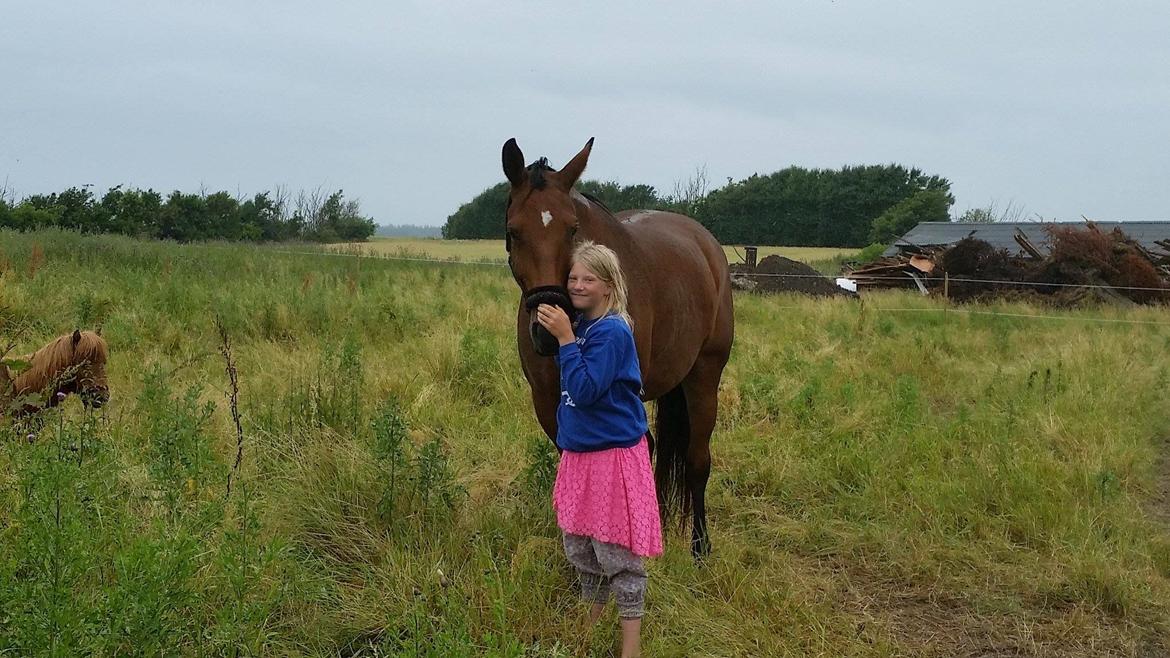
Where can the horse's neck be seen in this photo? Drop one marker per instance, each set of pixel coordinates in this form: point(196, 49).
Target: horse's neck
point(30, 379)
point(602, 227)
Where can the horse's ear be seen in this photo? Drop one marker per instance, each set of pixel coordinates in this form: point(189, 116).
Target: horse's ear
point(76, 337)
point(571, 172)
point(513, 162)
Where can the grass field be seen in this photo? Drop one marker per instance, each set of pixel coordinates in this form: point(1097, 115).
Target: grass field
point(493, 250)
point(891, 478)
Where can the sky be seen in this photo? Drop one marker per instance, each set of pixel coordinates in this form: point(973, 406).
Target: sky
point(1048, 109)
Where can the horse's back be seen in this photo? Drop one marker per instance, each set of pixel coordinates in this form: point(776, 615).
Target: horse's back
point(667, 236)
point(654, 222)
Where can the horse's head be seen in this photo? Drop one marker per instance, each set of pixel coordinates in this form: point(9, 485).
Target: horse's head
point(76, 363)
point(541, 222)
point(91, 383)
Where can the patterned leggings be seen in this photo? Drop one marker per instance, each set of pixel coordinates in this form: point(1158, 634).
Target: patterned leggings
point(608, 567)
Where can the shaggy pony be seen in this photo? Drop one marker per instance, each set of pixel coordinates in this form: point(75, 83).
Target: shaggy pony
point(73, 363)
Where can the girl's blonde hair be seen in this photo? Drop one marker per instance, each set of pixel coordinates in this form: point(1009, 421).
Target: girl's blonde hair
point(602, 261)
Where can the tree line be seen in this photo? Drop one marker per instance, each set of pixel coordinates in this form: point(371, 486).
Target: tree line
point(313, 216)
point(848, 207)
point(482, 218)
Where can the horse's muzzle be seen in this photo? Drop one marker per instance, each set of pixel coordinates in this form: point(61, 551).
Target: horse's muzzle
point(543, 342)
point(95, 398)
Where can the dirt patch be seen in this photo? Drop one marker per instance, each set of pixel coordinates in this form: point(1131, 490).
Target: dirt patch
point(1159, 505)
point(929, 621)
point(779, 274)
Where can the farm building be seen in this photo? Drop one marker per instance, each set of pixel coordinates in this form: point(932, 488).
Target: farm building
point(1001, 235)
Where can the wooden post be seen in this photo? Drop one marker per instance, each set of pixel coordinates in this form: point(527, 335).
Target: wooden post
point(946, 292)
point(750, 256)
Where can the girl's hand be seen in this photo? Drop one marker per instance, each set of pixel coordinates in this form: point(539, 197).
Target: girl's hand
point(556, 322)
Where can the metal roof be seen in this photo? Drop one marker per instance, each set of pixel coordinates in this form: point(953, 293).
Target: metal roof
point(1000, 234)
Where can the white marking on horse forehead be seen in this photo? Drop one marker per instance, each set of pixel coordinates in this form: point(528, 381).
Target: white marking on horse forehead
point(546, 217)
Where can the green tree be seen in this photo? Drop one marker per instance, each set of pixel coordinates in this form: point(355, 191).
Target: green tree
point(262, 219)
point(924, 206)
point(977, 216)
point(132, 212)
point(483, 217)
point(28, 217)
point(780, 208)
point(620, 197)
point(802, 207)
point(223, 217)
point(991, 213)
point(336, 219)
point(191, 217)
point(75, 208)
point(183, 218)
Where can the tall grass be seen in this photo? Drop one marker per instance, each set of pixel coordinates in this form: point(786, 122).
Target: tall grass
point(891, 477)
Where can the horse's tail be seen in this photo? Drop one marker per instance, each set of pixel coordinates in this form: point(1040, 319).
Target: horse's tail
point(672, 430)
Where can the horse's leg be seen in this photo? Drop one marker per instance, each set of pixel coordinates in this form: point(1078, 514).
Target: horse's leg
point(672, 435)
point(545, 401)
point(702, 393)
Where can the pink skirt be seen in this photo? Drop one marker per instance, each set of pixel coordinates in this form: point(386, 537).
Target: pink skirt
point(609, 495)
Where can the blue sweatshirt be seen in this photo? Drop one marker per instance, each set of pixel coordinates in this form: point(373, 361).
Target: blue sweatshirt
point(600, 384)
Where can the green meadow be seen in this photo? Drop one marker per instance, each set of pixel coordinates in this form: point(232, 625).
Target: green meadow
point(892, 476)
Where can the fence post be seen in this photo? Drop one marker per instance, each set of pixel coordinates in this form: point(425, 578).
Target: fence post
point(750, 256)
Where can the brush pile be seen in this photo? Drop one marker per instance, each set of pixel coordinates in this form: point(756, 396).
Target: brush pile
point(1081, 264)
point(779, 274)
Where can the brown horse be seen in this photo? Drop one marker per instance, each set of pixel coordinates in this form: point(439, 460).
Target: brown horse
point(679, 298)
point(73, 363)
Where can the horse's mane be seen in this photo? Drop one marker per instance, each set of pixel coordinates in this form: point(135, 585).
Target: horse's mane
point(537, 181)
point(598, 203)
point(48, 362)
point(536, 171)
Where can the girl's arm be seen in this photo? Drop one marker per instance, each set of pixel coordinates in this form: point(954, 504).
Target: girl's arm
point(587, 375)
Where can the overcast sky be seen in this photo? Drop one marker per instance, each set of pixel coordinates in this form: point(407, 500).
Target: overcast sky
point(1059, 108)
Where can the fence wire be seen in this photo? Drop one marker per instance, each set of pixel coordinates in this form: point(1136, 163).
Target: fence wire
point(949, 309)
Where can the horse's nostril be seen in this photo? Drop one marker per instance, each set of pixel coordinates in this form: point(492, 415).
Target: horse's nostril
point(95, 399)
point(543, 342)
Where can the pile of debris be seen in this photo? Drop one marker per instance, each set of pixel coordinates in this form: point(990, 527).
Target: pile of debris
point(1081, 264)
point(780, 274)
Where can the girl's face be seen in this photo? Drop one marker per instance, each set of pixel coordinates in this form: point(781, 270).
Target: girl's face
point(588, 292)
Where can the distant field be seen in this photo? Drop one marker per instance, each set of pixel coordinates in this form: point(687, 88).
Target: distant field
point(494, 250)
